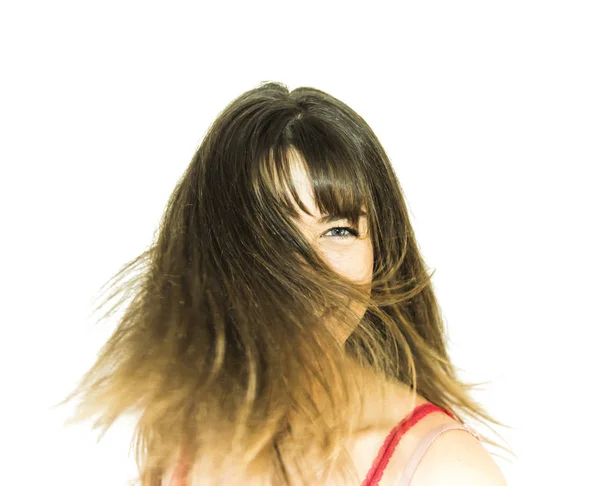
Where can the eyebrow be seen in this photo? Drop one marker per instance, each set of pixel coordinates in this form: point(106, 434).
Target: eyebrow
point(328, 218)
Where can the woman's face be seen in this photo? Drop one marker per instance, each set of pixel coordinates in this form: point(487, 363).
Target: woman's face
point(347, 253)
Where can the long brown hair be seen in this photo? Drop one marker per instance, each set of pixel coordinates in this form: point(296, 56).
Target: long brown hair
point(221, 343)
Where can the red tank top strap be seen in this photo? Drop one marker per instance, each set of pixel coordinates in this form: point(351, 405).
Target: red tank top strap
point(391, 441)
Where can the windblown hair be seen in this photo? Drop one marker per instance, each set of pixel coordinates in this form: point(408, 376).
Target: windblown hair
point(220, 351)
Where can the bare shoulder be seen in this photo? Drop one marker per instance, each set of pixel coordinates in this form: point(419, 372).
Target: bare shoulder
point(457, 458)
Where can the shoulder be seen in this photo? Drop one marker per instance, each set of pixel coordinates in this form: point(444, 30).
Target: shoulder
point(457, 458)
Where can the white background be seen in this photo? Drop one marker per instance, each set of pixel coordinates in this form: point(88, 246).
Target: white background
point(490, 112)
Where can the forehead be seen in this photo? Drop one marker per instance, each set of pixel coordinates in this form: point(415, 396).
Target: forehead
point(303, 186)
point(329, 190)
point(302, 183)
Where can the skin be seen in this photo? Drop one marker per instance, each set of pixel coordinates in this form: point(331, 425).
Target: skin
point(347, 254)
point(455, 457)
point(352, 256)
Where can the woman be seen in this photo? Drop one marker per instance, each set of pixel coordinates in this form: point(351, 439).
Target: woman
point(284, 329)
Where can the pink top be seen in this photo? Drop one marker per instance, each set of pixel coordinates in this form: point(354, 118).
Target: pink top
point(391, 441)
point(179, 477)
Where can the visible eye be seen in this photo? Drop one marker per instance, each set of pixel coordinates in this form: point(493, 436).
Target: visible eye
point(349, 232)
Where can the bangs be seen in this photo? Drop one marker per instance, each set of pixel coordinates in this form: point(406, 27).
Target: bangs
point(338, 181)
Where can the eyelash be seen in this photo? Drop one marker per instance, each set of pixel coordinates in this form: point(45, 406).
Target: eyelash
point(352, 231)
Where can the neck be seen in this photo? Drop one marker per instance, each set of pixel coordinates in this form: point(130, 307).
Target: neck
point(371, 399)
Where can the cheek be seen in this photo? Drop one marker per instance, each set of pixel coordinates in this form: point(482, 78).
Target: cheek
point(354, 262)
